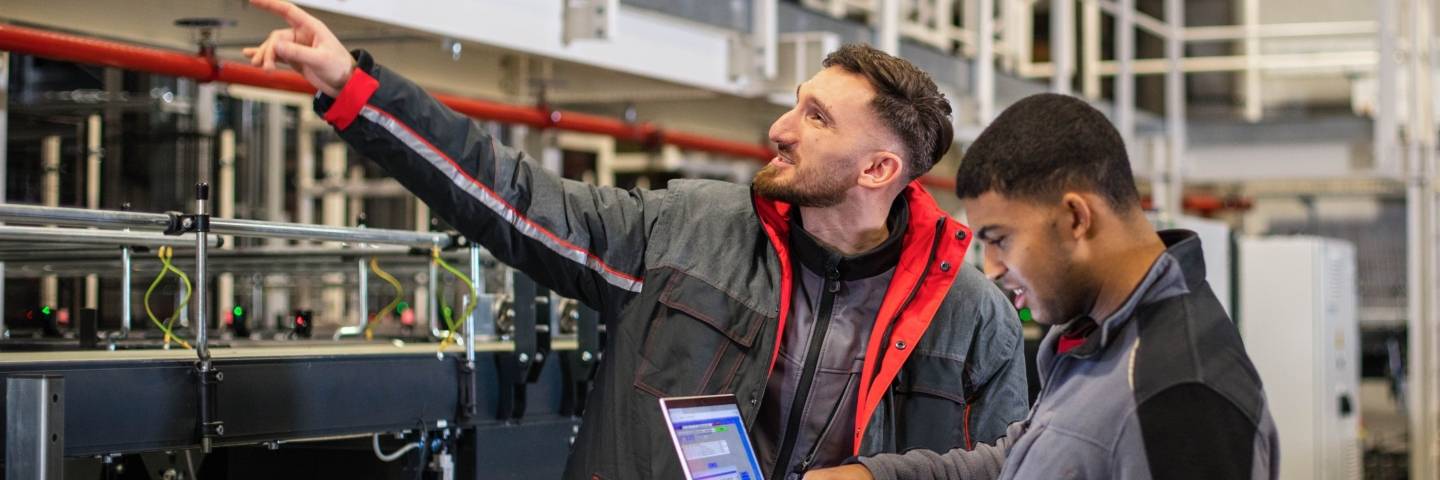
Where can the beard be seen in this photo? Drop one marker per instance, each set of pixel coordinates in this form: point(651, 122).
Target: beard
point(805, 188)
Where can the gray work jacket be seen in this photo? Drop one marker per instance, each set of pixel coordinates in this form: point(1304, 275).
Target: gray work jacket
point(1162, 388)
point(694, 281)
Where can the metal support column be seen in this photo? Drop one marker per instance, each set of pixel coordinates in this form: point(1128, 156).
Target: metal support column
point(421, 302)
point(201, 226)
point(35, 427)
point(432, 303)
point(4, 164)
point(765, 30)
point(275, 164)
point(362, 295)
point(1386, 154)
point(93, 153)
point(1090, 49)
point(277, 300)
point(468, 393)
point(205, 120)
point(1174, 109)
point(225, 208)
point(1157, 148)
point(126, 269)
point(332, 213)
point(305, 169)
point(50, 197)
point(1422, 344)
point(362, 309)
point(1017, 33)
point(888, 35)
point(1250, 17)
point(355, 199)
point(209, 427)
point(1125, 78)
point(970, 17)
point(1062, 45)
point(985, 63)
point(1420, 206)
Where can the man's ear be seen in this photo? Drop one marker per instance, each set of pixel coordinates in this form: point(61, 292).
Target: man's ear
point(882, 169)
point(1078, 214)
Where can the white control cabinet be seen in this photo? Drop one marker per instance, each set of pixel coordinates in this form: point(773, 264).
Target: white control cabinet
point(1298, 317)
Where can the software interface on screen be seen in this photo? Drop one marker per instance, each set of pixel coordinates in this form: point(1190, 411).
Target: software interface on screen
point(713, 443)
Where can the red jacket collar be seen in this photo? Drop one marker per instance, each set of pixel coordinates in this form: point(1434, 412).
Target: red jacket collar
point(933, 253)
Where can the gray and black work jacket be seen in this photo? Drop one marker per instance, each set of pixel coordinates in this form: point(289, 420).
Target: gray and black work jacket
point(1162, 388)
point(695, 283)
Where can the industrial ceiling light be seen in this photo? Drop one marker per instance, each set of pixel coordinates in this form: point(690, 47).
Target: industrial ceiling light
point(204, 31)
point(453, 46)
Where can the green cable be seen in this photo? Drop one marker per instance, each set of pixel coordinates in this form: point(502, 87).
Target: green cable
point(469, 306)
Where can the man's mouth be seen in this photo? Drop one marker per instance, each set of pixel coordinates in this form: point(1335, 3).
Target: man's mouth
point(1019, 298)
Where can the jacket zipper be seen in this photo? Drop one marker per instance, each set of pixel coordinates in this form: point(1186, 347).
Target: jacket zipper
point(807, 375)
point(834, 414)
point(891, 434)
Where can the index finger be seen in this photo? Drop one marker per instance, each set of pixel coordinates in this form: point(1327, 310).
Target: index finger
point(292, 14)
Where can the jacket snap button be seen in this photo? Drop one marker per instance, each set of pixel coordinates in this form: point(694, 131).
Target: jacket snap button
point(944, 266)
point(960, 235)
point(900, 345)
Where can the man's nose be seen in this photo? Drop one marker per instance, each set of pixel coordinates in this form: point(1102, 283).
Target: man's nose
point(994, 268)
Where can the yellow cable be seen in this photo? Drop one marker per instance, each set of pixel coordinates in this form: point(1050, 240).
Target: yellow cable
point(399, 295)
point(469, 306)
point(189, 289)
point(164, 254)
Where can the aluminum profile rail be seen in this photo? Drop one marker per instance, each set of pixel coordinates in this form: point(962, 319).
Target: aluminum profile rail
point(16, 233)
point(80, 217)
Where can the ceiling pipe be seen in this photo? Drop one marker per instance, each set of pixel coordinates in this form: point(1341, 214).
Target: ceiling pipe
point(72, 48)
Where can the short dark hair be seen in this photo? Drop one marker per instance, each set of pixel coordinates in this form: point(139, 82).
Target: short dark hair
point(1043, 145)
point(907, 101)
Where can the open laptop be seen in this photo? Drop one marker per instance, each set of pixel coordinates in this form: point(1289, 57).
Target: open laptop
point(709, 435)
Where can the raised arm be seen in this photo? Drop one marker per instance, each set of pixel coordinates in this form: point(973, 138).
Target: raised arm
point(581, 240)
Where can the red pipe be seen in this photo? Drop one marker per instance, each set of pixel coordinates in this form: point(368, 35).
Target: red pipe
point(59, 46)
point(1205, 204)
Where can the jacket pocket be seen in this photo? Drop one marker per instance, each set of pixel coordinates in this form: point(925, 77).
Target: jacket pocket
point(697, 339)
point(933, 399)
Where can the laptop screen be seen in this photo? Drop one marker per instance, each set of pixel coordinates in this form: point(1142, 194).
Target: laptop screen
point(710, 437)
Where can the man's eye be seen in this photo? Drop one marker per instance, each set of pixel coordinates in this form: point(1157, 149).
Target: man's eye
point(816, 117)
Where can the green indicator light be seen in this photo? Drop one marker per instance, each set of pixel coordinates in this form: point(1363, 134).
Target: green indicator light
point(45, 310)
point(1025, 315)
point(238, 310)
point(402, 307)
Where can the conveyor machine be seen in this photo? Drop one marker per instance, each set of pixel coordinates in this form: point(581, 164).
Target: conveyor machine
point(496, 395)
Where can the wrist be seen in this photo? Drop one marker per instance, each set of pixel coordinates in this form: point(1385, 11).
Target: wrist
point(346, 75)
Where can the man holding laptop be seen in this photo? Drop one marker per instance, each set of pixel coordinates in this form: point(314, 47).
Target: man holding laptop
point(1143, 374)
point(828, 299)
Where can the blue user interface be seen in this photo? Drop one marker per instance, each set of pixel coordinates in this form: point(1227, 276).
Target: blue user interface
point(713, 442)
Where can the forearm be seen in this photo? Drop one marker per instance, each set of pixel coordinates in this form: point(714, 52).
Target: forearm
point(580, 240)
point(983, 462)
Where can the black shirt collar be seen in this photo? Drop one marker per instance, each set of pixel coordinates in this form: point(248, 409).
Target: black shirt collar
point(816, 257)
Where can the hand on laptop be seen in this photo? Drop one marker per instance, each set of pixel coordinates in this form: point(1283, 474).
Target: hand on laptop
point(843, 472)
